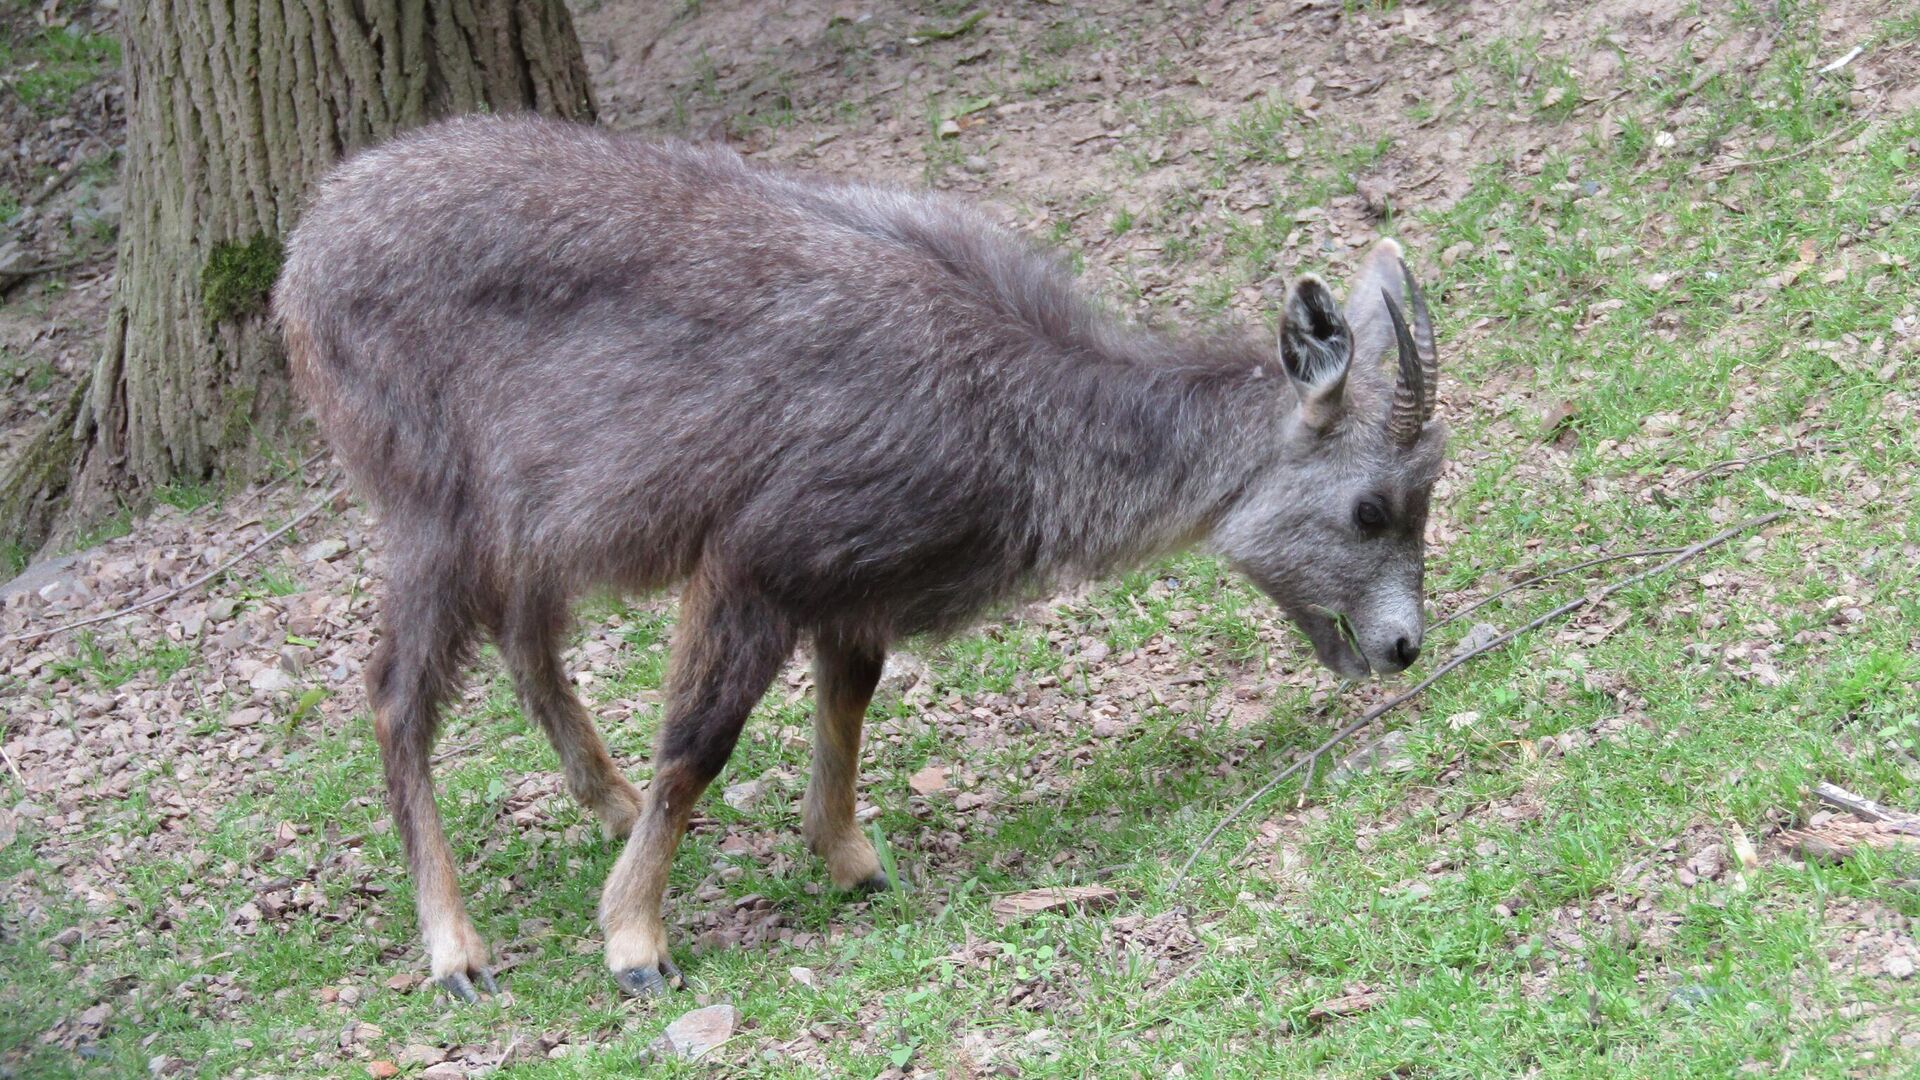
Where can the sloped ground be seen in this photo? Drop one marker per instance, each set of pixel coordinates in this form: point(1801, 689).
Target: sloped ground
point(62, 130)
point(1666, 246)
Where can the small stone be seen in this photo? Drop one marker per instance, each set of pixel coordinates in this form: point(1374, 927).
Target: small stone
point(929, 780)
point(421, 1054)
point(272, 680)
point(1898, 966)
point(1690, 995)
point(325, 550)
point(349, 995)
point(803, 976)
point(446, 1070)
point(744, 795)
point(974, 163)
point(382, 1069)
point(1479, 637)
point(971, 800)
point(699, 1031)
point(102, 213)
point(403, 982)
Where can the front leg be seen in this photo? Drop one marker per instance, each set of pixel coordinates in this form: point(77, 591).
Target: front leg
point(843, 680)
point(728, 649)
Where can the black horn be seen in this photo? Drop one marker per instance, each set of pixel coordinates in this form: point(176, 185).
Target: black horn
point(1423, 345)
point(1409, 410)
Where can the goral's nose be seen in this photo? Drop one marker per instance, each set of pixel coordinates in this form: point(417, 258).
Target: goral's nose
point(1406, 651)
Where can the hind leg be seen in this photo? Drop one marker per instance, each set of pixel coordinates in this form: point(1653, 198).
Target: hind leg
point(530, 644)
point(843, 680)
point(727, 651)
point(424, 636)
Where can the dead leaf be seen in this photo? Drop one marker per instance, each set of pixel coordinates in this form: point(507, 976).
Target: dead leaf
point(1033, 902)
point(1557, 417)
point(698, 1032)
point(1352, 1004)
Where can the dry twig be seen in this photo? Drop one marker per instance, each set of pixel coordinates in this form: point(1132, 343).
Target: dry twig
point(1398, 700)
point(1832, 136)
point(257, 547)
point(1697, 474)
point(14, 769)
point(1865, 809)
point(1734, 463)
point(1548, 574)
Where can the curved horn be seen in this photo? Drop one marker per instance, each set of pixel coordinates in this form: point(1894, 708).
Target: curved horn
point(1407, 413)
point(1423, 345)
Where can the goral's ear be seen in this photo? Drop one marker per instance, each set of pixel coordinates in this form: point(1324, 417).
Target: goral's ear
point(1316, 348)
point(1379, 274)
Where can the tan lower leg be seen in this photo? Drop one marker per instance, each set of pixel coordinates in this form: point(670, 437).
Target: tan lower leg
point(826, 819)
point(454, 947)
point(630, 902)
point(592, 776)
point(455, 950)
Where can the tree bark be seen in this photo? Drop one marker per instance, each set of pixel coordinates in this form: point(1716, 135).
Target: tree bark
point(234, 109)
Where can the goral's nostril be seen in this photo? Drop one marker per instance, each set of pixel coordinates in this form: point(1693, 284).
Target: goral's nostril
point(1406, 652)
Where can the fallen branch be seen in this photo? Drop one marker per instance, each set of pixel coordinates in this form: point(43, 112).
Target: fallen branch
point(1838, 840)
point(1375, 713)
point(1837, 133)
point(1865, 809)
point(1645, 553)
point(14, 769)
point(11, 276)
point(170, 594)
point(1734, 463)
point(1697, 474)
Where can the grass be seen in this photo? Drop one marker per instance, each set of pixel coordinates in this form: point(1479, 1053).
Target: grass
point(53, 62)
point(1509, 892)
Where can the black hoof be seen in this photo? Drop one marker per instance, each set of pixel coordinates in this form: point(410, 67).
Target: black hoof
point(461, 987)
point(878, 883)
point(646, 982)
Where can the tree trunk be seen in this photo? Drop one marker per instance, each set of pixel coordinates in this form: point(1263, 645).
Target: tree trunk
point(234, 110)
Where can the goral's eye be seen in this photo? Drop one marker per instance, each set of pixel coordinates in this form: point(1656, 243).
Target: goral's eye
point(1370, 515)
